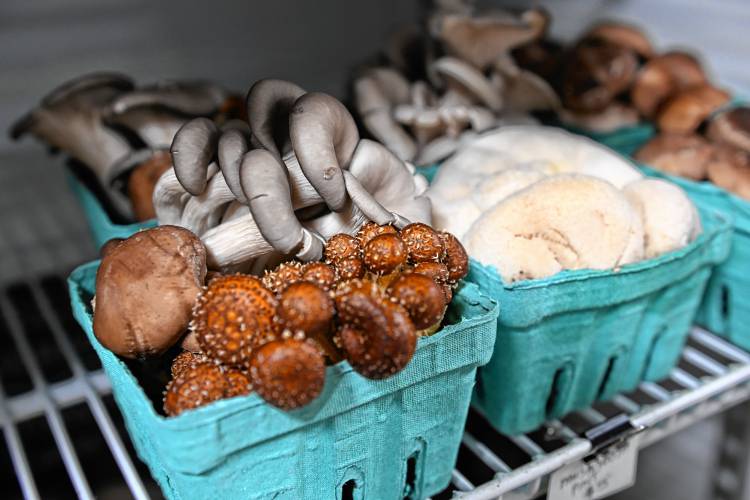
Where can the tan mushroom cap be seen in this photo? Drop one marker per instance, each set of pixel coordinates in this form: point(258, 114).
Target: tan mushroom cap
point(145, 290)
point(683, 155)
point(623, 35)
point(684, 112)
point(729, 168)
point(732, 128)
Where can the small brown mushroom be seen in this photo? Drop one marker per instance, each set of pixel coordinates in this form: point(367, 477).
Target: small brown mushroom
point(684, 112)
point(731, 128)
point(729, 168)
point(456, 259)
point(306, 310)
point(284, 275)
point(319, 273)
point(661, 77)
point(110, 245)
point(232, 316)
point(422, 242)
point(201, 384)
point(341, 246)
point(142, 181)
point(145, 289)
point(184, 361)
point(683, 155)
point(421, 297)
point(622, 35)
point(370, 230)
point(288, 373)
point(352, 268)
point(377, 336)
point(384, 254)
point(437, 272)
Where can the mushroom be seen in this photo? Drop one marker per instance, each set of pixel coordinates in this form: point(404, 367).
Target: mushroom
point(729, 168)
point(206, 210)
point(305, 309)
point(421, 297)
point(342, 246)
point(234, 143)
point(384, 254)
point(377, 336)
point(622, 35)
point(731, 128)
point(661, 77)
point(142, 182)
point(201, 384)
point(683, 155)
point(685, 111)
point(466, 79)
point(320, 273)
point(269, 104)
point(232, 316)
point(423, 243)
point(288, 373)
point(145, 289)
point(456, 259)
point(192, 150)
point(614, 117)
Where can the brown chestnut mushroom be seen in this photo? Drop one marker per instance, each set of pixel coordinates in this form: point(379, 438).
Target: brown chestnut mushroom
point(422, 243)
point(285, 274)
point(456, 259)
point(341, 246)
point(685, 111)
point(319, 273)
point(370, 230)
point(731, 128)
point(377, 336)
point(352, 268)
point(622, 35)
point(729, 168)
point(306, 310)
point(683, 155)
point(384, 254)
point(142, 181)
point(110, 245)
point(437, 272)
point(232, 316)
point(145, 290)
point(288, 373)
point(661, 77)
point(201, 384)
point(421, 297)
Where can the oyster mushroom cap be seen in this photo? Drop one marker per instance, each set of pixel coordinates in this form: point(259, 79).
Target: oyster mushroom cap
point(145, 290)
point(193, 150)
point(529, 92)
point(234, 143)
point(731, 128)
point(269, 105)
point(189, 98)
point(462, 75)
point(324, 137)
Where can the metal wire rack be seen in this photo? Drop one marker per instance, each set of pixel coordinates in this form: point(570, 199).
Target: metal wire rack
point(62, 436)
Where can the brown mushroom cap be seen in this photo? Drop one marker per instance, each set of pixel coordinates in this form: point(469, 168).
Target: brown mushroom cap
point(110, 245)
point(352, 268)
point(288, 373)
point(384, 254)
point(200, 384)
point(623, 35)
point(731, 128)
point(456, 259)
point(684, 68)
point(370, 230)
point(145, 290)
point(683, 155)
point(422, 242)
point(684, 112)
point(142, 181)
point(377, 336)
point(232, 316)
point(285, 274)
point(729, 168)
point(341, 246)
point(437, 272)
point(319, 273)
point(184, 361)
point(305, 308)
point(421, 297)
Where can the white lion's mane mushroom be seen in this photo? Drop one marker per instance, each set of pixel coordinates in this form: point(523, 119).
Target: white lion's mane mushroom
point(563, 222)
point(145, 290)
point(476, 175)
point(670, 220)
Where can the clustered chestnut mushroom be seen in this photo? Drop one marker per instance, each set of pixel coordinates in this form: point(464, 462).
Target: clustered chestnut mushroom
point(120, 132)
point(277, 186)
point(367, 301)
point(451, 79)
point(721, 154)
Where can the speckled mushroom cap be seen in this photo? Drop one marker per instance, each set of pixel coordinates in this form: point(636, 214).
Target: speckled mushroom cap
point(145, 289)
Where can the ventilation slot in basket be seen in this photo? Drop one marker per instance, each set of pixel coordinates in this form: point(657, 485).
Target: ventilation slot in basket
point(652, 351)
point(348, 489)
point(556, 391)
point(410, 485)
point(605, 378)
point(725, 308)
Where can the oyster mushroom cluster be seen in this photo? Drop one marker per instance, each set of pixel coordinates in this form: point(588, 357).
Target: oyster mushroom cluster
point(448, 80)
point(533, 201)
point(720, 154)
point(367, 302)
point(120, 132)
point(278, 186)
point(613, 77)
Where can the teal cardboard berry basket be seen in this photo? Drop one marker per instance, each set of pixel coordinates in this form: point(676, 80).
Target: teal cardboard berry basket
point(567, 341)
point(100, 224)
point(393, 438)
point(625, 141)
point(725, 309)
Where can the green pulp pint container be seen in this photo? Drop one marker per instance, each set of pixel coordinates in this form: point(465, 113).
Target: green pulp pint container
point(100, 224)
point(625, 141)
point(726, 304)
point(362, 439)
point(567, 341)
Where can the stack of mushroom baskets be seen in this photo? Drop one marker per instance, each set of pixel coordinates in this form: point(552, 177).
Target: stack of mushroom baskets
point(293, 327)
point(444, 82)
point(116, 136)
point(599, 271)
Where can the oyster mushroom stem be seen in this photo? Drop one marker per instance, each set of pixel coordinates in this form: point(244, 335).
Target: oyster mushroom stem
point(205, 211)
point(192, 150)
point(324, 137)
point(264, 181)
point(170, 197)
point(269, 104)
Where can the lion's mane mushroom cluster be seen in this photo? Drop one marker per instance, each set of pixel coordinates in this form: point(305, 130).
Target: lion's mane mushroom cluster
point(533, 201)
point(121, 132)
point(277, 187)
point(612, 77)
point(720, 154)
point(448, 80)
point(367, 302)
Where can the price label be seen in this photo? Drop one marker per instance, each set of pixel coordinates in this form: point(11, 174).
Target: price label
point(609, 471)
